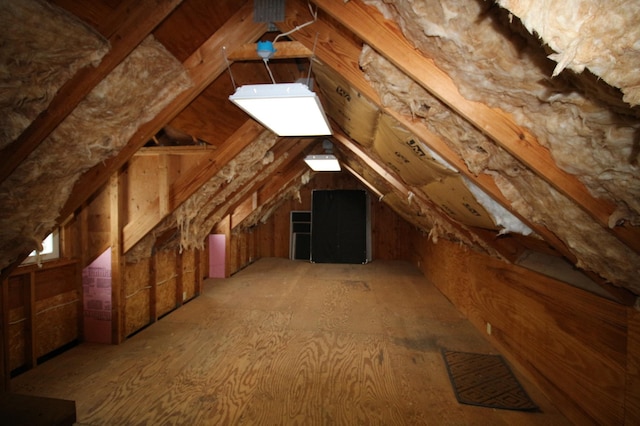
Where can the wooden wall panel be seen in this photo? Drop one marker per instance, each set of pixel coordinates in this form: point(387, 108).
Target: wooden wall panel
point(17, 320)
point(141, 181)
point(189, 269)
point(44, 308)
point(137, 294)
point(249, 248)
point(571, 342)
point(166, 281)
point(56, 322)
point(17, 341)
point(264, 242)
point(390, 233)
point(237, 251)
point(632, 402)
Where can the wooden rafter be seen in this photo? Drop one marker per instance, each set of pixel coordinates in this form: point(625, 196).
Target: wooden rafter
point(294, 149)
point(408, 192)
point(341, 54)
point(204, 65)
point(141, 19)
point(285, 174)
point(368, 23)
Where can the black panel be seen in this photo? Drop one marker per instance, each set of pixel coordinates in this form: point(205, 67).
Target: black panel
point(301, 227)
point(302, 246)
point(338, 226)
point(301, 216)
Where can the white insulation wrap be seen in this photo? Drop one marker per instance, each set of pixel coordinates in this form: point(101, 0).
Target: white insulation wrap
point(501, 216)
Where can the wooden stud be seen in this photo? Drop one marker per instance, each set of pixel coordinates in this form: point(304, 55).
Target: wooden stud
point(153, 291)
point(179, 281)
point(118, 300)
point(4, 337)
point(30, 314)
point(198, 274)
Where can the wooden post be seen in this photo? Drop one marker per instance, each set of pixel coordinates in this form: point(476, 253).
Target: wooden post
point(4, 337)
point(198, 271)
point(179, 280)
point(632, 393)
point(153, 290)
point(117, 259)
point(30, 314)
point(224, 227)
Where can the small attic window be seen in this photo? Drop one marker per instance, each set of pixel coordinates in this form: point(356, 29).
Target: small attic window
point(50, 250)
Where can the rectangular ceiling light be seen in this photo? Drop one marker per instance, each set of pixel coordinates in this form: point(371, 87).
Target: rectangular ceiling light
point(287, 109)
point(323, 163)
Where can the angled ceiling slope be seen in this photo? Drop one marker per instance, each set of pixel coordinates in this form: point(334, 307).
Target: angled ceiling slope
point(560, 153)
point(494, 145)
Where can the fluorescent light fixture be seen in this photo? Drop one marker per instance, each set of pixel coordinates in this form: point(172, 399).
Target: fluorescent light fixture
point(323, 163)
point(287, 109)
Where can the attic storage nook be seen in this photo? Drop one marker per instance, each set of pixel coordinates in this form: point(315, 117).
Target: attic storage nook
point(496, 143)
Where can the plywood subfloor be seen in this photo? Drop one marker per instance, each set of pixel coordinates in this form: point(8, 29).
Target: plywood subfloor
point(285, 342)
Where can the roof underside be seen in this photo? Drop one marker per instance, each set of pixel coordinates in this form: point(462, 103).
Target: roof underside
point(474, 120)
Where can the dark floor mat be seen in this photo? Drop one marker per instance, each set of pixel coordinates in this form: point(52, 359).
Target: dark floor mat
point(486, 381)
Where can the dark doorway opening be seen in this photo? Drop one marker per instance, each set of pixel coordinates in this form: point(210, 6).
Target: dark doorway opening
point(339, 226)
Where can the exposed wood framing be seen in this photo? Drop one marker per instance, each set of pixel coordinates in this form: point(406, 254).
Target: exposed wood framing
point(118, 311)
point(284, 50)
point(30, 312)
point(204, 66)
point(137, 24)
point(244, 209)
point(173, 194)
point(341, 54)
point(294, 149)
point(407, 192)
point(4, 336)
point(369, 24)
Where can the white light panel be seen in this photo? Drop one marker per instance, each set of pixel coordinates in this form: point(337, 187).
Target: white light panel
point(287, 109)
point(323, 163)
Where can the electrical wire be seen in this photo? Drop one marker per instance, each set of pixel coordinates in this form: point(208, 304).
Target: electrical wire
point(311, 59)
point(266, 60)
point(224, 52)
point(266, 64)
point(299, 27)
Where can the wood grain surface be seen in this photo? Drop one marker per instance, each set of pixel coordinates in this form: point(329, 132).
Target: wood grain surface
point(285, 342)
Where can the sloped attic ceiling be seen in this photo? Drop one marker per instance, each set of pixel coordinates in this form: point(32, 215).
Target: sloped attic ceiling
point(535, 108)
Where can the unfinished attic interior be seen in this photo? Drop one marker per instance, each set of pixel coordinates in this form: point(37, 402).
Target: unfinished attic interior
point(490, 147)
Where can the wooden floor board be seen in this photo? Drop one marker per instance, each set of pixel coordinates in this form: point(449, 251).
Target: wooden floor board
point(285, 342)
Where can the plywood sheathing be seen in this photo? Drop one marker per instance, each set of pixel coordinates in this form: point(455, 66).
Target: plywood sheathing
point(42, 47)
point(589, 139)
point(587, 34)
point(99, 127)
